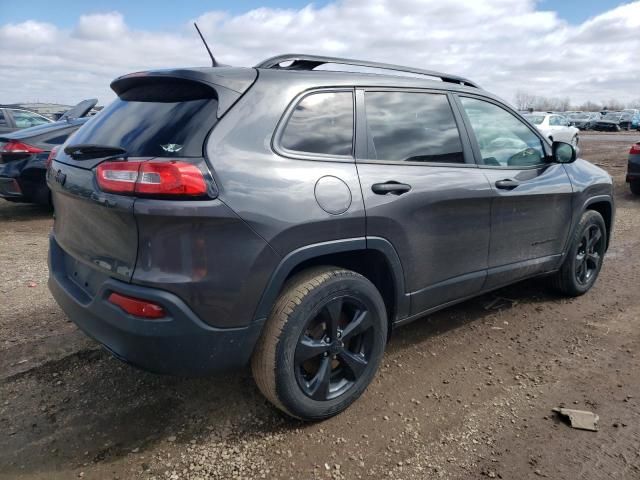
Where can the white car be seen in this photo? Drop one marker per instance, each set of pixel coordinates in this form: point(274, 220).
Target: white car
point(555, 127)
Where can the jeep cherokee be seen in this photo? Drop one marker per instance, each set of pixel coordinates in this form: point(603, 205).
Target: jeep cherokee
point(289, 217)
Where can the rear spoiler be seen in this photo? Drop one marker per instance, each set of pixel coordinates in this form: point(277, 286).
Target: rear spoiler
point(226, 84)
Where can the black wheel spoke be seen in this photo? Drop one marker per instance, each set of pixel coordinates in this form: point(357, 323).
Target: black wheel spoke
point(355, 363)
point(360, 324)
point(333, 311)
point(594, 258)
point(319, 385)
point(594, 237)
point(309, 348)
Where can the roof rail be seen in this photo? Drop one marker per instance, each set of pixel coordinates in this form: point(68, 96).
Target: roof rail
point(309, 62)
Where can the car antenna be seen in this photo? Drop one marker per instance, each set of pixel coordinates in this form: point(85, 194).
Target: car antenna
point(213, 60)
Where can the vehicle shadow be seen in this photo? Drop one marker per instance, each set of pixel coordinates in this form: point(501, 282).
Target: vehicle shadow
point(472, 311)
point(91, 408)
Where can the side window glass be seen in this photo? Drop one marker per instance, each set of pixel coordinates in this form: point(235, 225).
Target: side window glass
point(503, 139)
point(321, 123)
point(3, 122)
point(26, 119)
point(412, 127)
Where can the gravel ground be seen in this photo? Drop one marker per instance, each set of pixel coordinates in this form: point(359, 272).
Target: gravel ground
point(465, 393)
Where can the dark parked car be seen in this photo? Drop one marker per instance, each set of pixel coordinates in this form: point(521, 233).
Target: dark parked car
point(614, 122)
point(292, 218)
point(633, 169)
point(584, 120)
point(24, 154)
point(13, 119)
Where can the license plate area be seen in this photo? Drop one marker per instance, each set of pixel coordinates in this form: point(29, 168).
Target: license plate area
point(86, 278)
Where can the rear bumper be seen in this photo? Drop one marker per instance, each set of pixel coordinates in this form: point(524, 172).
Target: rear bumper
point(179, 344)
point(24, 181)
point(10, 188)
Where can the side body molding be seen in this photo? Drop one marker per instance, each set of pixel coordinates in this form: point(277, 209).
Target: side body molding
point(296, 257)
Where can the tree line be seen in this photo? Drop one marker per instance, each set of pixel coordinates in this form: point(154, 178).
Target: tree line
point(525, 101)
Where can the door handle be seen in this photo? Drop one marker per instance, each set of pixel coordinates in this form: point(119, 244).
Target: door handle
point(507, 184)
point(392, 187)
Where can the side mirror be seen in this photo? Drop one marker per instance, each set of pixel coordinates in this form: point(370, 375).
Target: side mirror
point(563, 152)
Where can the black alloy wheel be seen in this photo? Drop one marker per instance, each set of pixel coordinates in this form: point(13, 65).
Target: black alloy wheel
point(334, 349)
point(589, 254)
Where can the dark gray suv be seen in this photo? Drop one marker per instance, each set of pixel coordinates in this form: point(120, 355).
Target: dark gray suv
point(291, 217)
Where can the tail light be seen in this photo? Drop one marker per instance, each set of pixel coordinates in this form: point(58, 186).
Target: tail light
point(137, 307)
point(14, 146)
point(51, 156)
point(161, 178)
point(635, 149)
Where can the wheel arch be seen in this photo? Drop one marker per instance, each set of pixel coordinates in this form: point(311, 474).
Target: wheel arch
point(604, 206)
point(373, 257)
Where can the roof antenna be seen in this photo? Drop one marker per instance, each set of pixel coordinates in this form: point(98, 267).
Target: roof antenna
point(213, 60)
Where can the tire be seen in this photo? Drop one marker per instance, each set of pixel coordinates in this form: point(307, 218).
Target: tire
point(584, 257)
point(635, 187)
point(299, 326)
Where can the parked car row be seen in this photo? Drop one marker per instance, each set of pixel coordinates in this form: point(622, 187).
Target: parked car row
point(24, 154)
point(613, 121)
point(617, 121)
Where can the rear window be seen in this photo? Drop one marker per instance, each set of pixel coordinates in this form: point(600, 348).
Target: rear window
point(152, 128)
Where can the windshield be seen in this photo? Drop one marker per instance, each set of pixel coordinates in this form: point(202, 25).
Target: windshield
point(612, 116)
point(535, 119)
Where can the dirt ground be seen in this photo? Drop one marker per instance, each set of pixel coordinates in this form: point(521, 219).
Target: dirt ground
point(462, 394)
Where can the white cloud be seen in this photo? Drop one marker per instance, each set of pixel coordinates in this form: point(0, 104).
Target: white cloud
point(504, 45)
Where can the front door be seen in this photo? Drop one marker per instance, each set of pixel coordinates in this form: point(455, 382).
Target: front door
point(424, 193)
point(531, 207)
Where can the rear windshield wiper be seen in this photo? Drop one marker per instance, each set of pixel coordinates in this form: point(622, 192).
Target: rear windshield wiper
point(87, 151)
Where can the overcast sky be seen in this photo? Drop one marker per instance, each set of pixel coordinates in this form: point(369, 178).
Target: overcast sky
point(65, 51)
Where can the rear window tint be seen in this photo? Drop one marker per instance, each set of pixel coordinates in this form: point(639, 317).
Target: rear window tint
point(152, 128)
point(322, 123)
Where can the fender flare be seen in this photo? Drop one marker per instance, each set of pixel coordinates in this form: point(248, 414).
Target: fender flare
point(584, 208)
point(308, 252)
point(598, 199)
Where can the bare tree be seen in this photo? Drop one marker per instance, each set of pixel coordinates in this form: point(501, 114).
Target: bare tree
point(524, 100)
point(613, 104)
point(590, 106)
point(634, 103)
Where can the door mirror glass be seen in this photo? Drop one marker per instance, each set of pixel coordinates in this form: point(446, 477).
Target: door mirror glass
point(564, 152)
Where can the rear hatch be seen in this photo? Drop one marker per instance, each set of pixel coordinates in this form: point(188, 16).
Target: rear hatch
point(147, 143)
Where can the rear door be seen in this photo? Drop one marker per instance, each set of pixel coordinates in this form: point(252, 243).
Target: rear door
point(531, 207)
point(423, 192)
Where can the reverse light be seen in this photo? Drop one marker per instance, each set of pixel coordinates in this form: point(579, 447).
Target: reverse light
point(150, 178)
point(14, 146)
point(137, 307)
